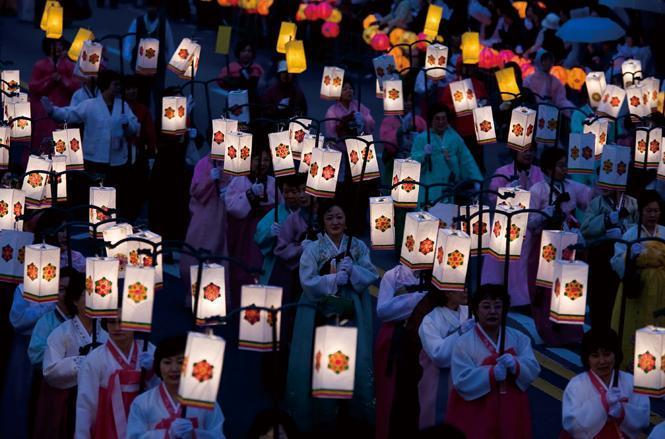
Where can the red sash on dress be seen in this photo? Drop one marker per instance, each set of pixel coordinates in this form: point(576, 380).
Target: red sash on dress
point(174, 413)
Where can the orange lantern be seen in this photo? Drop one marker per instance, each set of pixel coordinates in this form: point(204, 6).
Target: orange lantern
point(335, 16)
point(576, 78)
point(560, 73)
point(369, 21)
point(520, 6)
point(369, 33)
point(300, 13)
point(396, 36)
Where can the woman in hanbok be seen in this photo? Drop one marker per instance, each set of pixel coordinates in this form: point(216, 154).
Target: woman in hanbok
point(158, 414)
point(343, 290)
point(594, 406)
point(643, 274)
point(243, 73)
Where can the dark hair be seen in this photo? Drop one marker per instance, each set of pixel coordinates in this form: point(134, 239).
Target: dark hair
point(601, 338)
point(493, 292)
point(438, 108)
point(131, 81)
point(264, 421)
point(293, 180)
point(241, 44)
point(325, 204)
point(348, 81)
point(439, 431)
point(48, 221)
point(48, 44)
point(549, 158)
point(647, 197)
point(74, 290)
point(106, 77)
point(168, 347)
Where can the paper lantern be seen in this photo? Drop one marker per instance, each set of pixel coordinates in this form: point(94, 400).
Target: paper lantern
point(329, 29)
point(507, 84)
point(395, 36)
point(382, 223)
point(220, 128)
point(648, 151)
point(201, 370)
point(184, 58)
point(569, 292)
point(419, 242)
point(610, 104)
point(384, 68)
point(309, 143)
point(140, 254)
point(335, 16)
point(5, 144)
point(298, 130)
point(369, 21)
point(453, 248)
point(478, 227)
point(101, 285)
point(560, 73)
point(90, 58)
point(11, 82)
point(34, 183)
point(548, 124)
point(256, 325)
point(138, 297)
point(470, 47)
point(237, 102)
point(599, 129)
point(631, 72)
point(58, 165)
point(393, 97)
point(174, 115)
point(576, 78)
point(378, 92)
point(43, 24)
point(520, 133)
point(433, 19)
point(595, 86)
point(238, 158)
point(323, 172)
point(464, 96)
point(280, 151)
point(75, 49)
point(406, 193)
point(21, 128)
point(68, 144)
point(104, 198)
point(331, 83)
point(380, 42)
point(520, 7)
point(638, 101)
point(296, 62)
point(649, 361)
point(500, 229)
point(553, 246)
point(287, 32)
point(614, 168)
point(651, 87)
point(483, 121)
point(12, 205)
point(446, 214)
point(211, 293)
point(147, 56)
point(489, 58)
point(581, 158)
point(41, 273)
point(12, 245)
point(54, 21)
point(112, 235)
point(334, 362)
point(436, 59)
point(357, 154)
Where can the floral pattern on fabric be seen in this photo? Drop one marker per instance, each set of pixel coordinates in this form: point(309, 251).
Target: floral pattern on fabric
point(496, 229)
point(641, 146)
point(299, 135)
point(607, 166)
point(439, 255)
point(514, 232)
point(621, 168)
point(88, 285)
point(183, 53)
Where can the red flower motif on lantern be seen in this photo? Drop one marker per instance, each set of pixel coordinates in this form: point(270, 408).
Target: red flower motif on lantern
point(337, 81)
point(439, 255)
point(169, 113)
point(299, 135)
point(4, 208)
point(307, 158)
point(431, 60)
point(574, 153)
point(253, 316)
point(646, 362)
point(654, 146)
point(74, 145)
point(314, 169)
point(426, 246)
point(35, 179)
point(231, 152)
point(150, 53)
point(573, 290)
point(602, 137)
point(442, 60)
point(183, 53)
point(22, 124)
point(12, 86)
point(212, 292)
point(529, 130)
point(607, 166)
point(328, 172)
point(497, 229)
point(244, 153)
point(455, 259)
point(614, 101)
point(49, 272)
point(485, 126)
point(641, 146)
point(621, 168)
point(338, 362)
point(103, 287)
point(469, 94)
point(282, 151)
point(557, 287)
point(7, 252)
point(410, 243)
point(514, 232)
point(518, 130)
point(60, 146)
point(202, 371)
point(134, 257)
point(317, 361)
point(549, 252)
point(137, 292)
point(587, 153)
point(181, 111)
point(382, 223)
point(458, 96)
point(93, 59)
point(218, 137)
point(541, 123)
point(551, 124)
point(380, 72)
point(32, 272)
point(408, 187)
point(147, 261)
point(393, 94)
point(327, 79)
point(634, 101)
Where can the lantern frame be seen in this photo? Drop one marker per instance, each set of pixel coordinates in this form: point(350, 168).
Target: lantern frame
point(648, 150)
point(174, 115)
point(199, 382)
point(453, 251)
point(436, 59)
point(41, 273)
point(356, 152)
point(238, 156)
point(393, 97)
point(553, 245)
point(420, 234)
point(338, 378)
point(382, 223)
point(90, 58)
point(147, 56)
point(564, 308)
point(595, 84)
point(324, 161)
point(259, 338)
point(332, 80)
point(220, 128)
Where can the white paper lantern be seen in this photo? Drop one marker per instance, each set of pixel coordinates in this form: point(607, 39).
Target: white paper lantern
point(436, 58)
point(113, 234)
point(446, 213)
point(280, 151)
point(548, 123)
point(649, 361)
point(651, 87)
point(220, 128)
point(140, 254)
point(638, 101)
point(334, 362)
point(569, 292)
point(34, 183)
point(521, 198)
point(297, 135)
point(464, 96)
point(483, 121)
point(323, 172)
point(478, 227)
point(5, 144)
point(331, 83)
point(12, 254)
point(238, 157)
point(11, 82)
point(41, 273)
point(309, 143)
point(581, 157)
point(497, 246)
point(201, 370)
point(405, 171)
point(382, 223)
point(147, 56)
point(185, 57)
point(384, 68)
point(356, 151)
point(105, 198)
point(647, 148)
point(90, 58)
point(138, 297)
point(595, 86)
point(419, 242)
point(174, 115)
point(631, 72)
point(453, 248)
point(256, 325)
point(553, 245)
point(237, 102)
point(612, 101)
point(68, 144)
point(614, 168)
point(599, 129)
point(211, 292)
point(58, 164)
point(12, 205)
point(520, 132)
point(393, 97)
point(21, 129)
point(101, 284)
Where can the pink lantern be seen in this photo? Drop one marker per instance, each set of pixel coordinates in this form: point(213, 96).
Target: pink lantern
point(422, 46)
point(325, 9)
point(312, 11)
point(380, 42)
point(489, 58)
point(505, 56)
point(330, 29)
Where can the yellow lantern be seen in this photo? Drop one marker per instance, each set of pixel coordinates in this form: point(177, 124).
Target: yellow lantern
point(81, 36)
point(521, 128)
point(41, 273)
point(483, 121)
point(68, 144)
point(395, 36)
point(101, 284)
point(54, 21)
point(507, 84)
point(12, 203)
point(296, 62)
point(335, 16)
point(220, 129)
point(648, 149)
point(138, 297)
point(369, 21)
point(452, 260)
point(256, 325)
point(104, 198)
point(419, 242)
point(406, 193)
point(520, 7)
point(631, 72)
point(576, 78)
point(201, 370)
point(433, 19)
point(581, 157)
point(436, 59)
point(599, 129)
point(238, 157)
point(553, 246)
point(280, 151)
point(595, 86)
point(470, 47)
point(382, 223)
point(323, 172)
point(649, 361)
point(287, 32)
point(569, 292)
point(614, 168)
point(331, 83)
point(174, 115)
point(34, 183)
point(211, 292)
point(334, 362)
point(357, 153)
point(43, 24)
point(298, 130)
point(612, 101)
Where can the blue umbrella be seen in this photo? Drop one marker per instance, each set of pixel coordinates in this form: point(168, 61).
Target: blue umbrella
point(590, 30)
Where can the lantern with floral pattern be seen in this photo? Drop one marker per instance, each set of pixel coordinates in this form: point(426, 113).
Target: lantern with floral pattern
point(34, 183)
point(237, 102)
point(185, 60)
point(547, 124)
point(11, 82)
point(483, 121)
point(280, 150)
point(331, 83)
point(464, 96)
point(138, 297)
point(631, 72)
point(112, 235)
point(238, 157)
point(147, 56)
point(595, 86)
point(308, 145)
point(393, 97)
point(12, 254)
point(419, 242)
point(220, 128)
point(334, 362)
point(499, 230)
point(174, 115)
point(406, 193)
point(90, 58)
point(521, 128)
point(256, 326)
point(649, 361)
point(453, 248)
point(569, 292)
point(648, 148)
point(581, 159)
point(68, 143)
point(614, 168)
point(436, 59)
point(201, 370)
point(478, 227)
point(323, 172)
point(298, 129)
point(211, 293)
point(104, 198)
point(599, 128)
point(21, 128)
point(384, 68)
point(610, 104)
point(651, 86)
point(359, 152)
point(41, 273)
point(101, 286)
point(638, 101)
point(140, 254)
point(553, 245)
point(12, 205)
point(382, 223)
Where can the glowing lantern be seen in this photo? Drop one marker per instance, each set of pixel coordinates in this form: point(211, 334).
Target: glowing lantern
point(382, 223)
point(330, 30)
point(433, 19)
point(81, 36)
point(395, 36)
point(147, 56)
point(369, 21)
point(575, 78)
point(34, 183)
point(595, 86)
point(238, 157)
point(520, 7)
point(380, 42)
point(174, 115)
point(325, 9)
point(256, 325)
point(369, 33)
point(648, 149)
point(521, 198)
point(43, 24)
point(464, 96)
point(297, 134)
point(548, 124)
point(58, 164)
point(300, 14)
point(41, 273)
point(104, 198)
point(357, 154)
point(478, 227)
point(211, 293)
point(489, 58)
point(68, 144)
point(560, 73)
point(331, 83)
point(499, 230)
point(21, 128)
point(581, 157)
point(184, 58)
point(483, 121)
point(13, 243)
point(5, 144)
point(101, 285)
point(138, 297)
point(335, 16)
point(470, 47)
point(11, 82)
point(54, 21)
point(334, 362)
point(323, 172)
point(651, 86)
point(649, 361)
point(296, 62)
point(201, 370)
point(452, 260)
point(638, 101)
point(631, 72)
point(384, 67)
point(90, 58)
point(520, 132)
point(405, 171)
point(553, 246)
point(419, 242)
point(220, 128)
point(287, 32)
point(599, 129)
point(12, 205)
point(140, 254)
point(280, 150)
point(393, 97)
point(309, 143)
point(436, 59)
point(237, 101)
point(569, 292)
point(613, 98)
point(614, 168)
point(114, 234)
point(507, 83)
point(312, 12)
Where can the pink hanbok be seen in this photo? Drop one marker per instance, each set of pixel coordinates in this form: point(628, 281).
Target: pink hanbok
point(334, 129)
